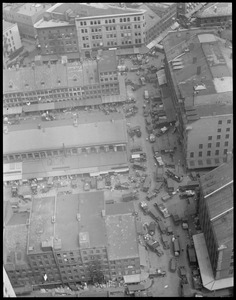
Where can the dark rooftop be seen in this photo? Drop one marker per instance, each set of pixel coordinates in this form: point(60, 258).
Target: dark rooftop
point(41, 228)
point(120, 208)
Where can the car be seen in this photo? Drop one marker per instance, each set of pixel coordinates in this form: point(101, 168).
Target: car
point(151, 196)
point(173, 264)
point(151, 228)
point(143, 205)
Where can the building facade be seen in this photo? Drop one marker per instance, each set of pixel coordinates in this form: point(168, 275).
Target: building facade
point(11, 39)
point(215, 14)
point(86, 28)
point(8, 290)
point(198, 95)
point(48, 87)
point(71, 245)
point(25, 15)
point(216, 218)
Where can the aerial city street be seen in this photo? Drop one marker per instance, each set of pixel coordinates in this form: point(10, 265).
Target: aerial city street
point(117, 150)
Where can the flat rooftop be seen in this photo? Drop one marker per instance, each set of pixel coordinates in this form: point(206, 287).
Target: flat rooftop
point(199, 66)
point(215, 10)
point(83, 10)
point(89, 134)
point(120, 208)
point(108, 61)
point(48, 77)
point(122, 237)
point(29, 9)
point(7, 25)
point(41, 227)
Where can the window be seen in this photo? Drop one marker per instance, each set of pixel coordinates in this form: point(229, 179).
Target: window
point(227, 136)
point(219, 130)
point(219, 122)
point(217, 152)
point(208, 153)
point(209, 145)
point(227, 129)
point(228, 121)
point(218, 144)
point(200, 154)
point(209, 138)
point(218, 137)
point(200, 146)
point(191, 154)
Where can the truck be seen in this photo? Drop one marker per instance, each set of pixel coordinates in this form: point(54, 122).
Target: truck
point(156, 273)
point(152, 138)
point(176, 246)
point(166, 197)
point(191, 185)
point(176, 219)
point(174, 176)
point(153, 246)
point(170, 185)
point(139, 157)
point(144, 207)
point(159, 175)
point(155, 149)
point(138, 166)
point(146, 95)
point(14, 191)
point(165, 241)
point(151, 228)
point(162, 227)
point(157, 187)
point(137, 148)
point(135, 131)
point(169, 230)
point(162, 209)
point(187, 194)
point(129, 197)
point(159, 161)
point(153, 214)
point(151, 196)
point(173, 264)
point(146, 184)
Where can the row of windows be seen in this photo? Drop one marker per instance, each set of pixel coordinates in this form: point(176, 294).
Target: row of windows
point(219, 136)
point(220, 122)
point(209, 162)
point(210, 144)
point(109, 21)
point(209, 153)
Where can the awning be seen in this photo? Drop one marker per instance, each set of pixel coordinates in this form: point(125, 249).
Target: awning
point(132, 278)
point(66, 104)
point(38, 107)
point(12, 110)
point(208, 280)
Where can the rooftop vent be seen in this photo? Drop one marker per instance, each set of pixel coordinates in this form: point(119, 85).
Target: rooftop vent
point(31, 248)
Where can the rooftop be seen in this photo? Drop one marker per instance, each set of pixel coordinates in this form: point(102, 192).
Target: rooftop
point(29, 9)
point(108, 61)
point(151, 17)
point(50, 76)
point(92, 224)
point(120, 208)
point(7, 25)
point(121, 234)
point(215, 10)
point(88, 134)
point(84, 10)
point(69, 229)
point(199, 66)
point(41, 228)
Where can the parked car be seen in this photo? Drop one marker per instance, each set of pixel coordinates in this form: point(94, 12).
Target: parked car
point(173, 264)
point(143, 205)
point(151, 228)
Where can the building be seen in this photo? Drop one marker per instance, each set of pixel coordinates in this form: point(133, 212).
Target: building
point(214, 247)
point(101, 147)
point(25, 15)
point(198, 68)
point(186, 9)
point(86, 28)
point(63, 85)
point(158, 18)
point(11, 40)
point(215, 14)
point(8, 290)
point(67, 240)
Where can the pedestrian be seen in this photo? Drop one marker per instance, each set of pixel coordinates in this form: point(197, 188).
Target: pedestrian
point(182, 250)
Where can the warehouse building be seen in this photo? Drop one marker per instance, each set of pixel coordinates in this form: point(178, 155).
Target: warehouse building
point(91, 147)
point(55, 87)
point(215, 246)
point(68, 240)
point(25, 15)
point(214, 14)
point(86, 28)
point(198, 68)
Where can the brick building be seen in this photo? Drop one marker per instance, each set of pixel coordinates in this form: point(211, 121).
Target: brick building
point(86, 28)
point(215, 244)
point(198, 69)
point(62, 85)
point(67, 240)
point(11, 40)
point(214, 14)
point(25, 15)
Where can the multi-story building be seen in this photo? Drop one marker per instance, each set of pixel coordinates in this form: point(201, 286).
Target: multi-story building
point(186, 9)
point(25, 15)
point(70, 239)
point(198, 68)
point(215, 14)
point(63, 85)
point(11, 40)
point(86, 28)
point(214, 246)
